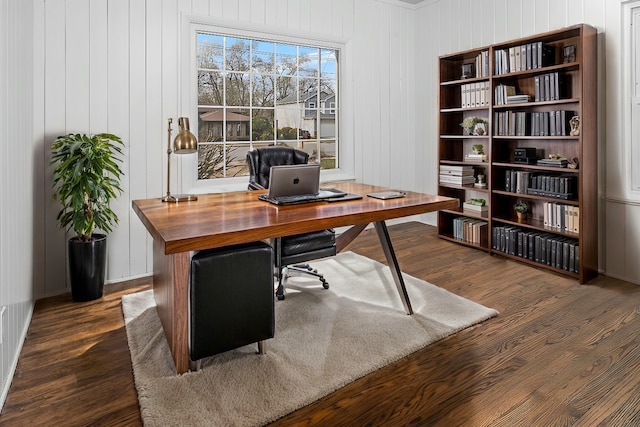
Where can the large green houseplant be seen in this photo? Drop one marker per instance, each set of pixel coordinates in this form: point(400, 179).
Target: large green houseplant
point(85, 179)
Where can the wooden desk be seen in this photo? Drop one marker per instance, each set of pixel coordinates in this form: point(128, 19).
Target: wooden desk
point(223, 219)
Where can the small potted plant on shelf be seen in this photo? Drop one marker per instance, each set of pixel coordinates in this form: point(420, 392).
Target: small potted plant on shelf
point(85, 179)
point(474, 125)
point(477, 149)
point(521, 209)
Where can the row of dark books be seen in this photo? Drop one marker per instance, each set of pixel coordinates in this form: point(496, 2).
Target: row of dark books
point(549, 87)
point(536, 123)
point(554, 186)
point(528, 56)
point(470, 230)
point(545, 248)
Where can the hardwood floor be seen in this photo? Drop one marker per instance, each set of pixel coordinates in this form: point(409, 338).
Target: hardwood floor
point(558, 353)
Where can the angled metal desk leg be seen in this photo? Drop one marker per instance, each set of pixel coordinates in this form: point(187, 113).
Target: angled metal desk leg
point(387, 247)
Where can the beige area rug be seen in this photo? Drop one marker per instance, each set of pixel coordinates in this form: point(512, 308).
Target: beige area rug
point(324, 340)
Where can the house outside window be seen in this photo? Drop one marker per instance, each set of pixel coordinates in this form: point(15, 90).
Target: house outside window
point(263, 92)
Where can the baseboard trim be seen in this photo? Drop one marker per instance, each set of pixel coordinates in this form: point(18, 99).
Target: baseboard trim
point(14, 362)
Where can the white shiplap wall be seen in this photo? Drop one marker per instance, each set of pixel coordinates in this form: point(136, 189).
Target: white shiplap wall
point(18, 183)
point(114, 66)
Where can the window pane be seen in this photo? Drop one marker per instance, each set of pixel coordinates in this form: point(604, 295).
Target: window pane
point(210, 51)
point(237, 90)
point(308, 61)
point(238, 122)
point(210, 125)
point(327, 126)
point(237, 160)
point(286, 59)
point(308, 88)
point(263, 57)
point(237, 54)
point(210, 88)
point(211, 161)
point(262, 90)
point(328, 63)
point(328, 85)
point(328, 159)
point(262, 125)
point(286, 90)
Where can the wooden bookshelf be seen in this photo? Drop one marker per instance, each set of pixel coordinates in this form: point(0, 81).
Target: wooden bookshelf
point(561, 227)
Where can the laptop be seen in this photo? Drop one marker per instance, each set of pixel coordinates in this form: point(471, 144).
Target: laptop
point(293, 184)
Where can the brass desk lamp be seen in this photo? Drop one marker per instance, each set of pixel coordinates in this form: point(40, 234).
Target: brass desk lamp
point(184, 143)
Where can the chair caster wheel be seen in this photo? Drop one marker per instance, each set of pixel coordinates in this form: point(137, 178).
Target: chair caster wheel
point(280, 297)
point(325, 285)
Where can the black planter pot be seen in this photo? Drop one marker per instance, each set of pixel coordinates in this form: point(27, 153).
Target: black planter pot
point(87, 266)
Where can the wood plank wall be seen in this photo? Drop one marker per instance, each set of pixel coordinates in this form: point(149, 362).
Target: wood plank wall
point(19, 175)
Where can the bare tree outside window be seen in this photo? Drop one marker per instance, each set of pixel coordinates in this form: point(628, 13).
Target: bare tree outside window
point(254, 93)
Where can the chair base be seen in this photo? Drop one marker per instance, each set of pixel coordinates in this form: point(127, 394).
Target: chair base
point(302, 268)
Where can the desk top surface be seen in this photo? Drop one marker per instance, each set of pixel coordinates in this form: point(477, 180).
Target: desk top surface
point(223, 219)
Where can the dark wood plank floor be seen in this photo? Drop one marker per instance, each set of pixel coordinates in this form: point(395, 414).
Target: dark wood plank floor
point(558, 353)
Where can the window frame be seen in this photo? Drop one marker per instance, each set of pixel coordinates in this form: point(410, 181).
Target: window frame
point(188, 98)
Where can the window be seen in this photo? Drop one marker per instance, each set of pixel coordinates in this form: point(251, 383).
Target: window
point(263, 92)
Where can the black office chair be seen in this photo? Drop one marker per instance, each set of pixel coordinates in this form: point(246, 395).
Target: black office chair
point(289, 251)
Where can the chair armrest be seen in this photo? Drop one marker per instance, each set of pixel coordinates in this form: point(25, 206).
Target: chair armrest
point(255, 186)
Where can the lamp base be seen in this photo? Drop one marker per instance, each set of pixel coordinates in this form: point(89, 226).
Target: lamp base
point(175, 198)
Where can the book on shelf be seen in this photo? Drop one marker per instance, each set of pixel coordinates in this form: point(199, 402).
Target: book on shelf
point(502, 92)
point(482, 64)
point(556, 251)
point(475, 94)
point(475, 158)
point(457, 180)
point(555, 186)
point(528, 56)
point(561, 216)
point(549, 87)
point(470, 230)
point(517, 99)
point(556, 163)
point(460, 170)
point(511, 123)
point(482, 210)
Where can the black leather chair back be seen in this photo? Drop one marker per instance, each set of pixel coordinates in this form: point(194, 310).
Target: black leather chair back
point(260, 161)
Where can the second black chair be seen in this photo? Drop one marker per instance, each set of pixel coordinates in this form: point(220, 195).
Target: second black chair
point(290, 251)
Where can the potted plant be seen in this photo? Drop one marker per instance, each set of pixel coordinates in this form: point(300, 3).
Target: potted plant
point(85, 179)
point(521, 209)
point(477, 149)
point(470, 124)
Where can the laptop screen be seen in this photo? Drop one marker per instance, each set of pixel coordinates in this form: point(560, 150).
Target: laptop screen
point(292, 180)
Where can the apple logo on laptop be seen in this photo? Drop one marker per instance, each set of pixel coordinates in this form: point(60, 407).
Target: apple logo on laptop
point(296, 180)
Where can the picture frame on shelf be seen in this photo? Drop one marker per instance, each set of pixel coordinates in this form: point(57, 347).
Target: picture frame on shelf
point(468, 70)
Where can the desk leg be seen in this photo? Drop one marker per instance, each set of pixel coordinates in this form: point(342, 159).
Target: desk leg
point(171, 293)
point(387, 247)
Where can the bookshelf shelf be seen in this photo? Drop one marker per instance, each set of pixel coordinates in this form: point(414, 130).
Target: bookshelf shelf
point(562, 201)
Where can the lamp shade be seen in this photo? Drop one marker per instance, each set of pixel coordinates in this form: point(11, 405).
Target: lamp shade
point(185, 142)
